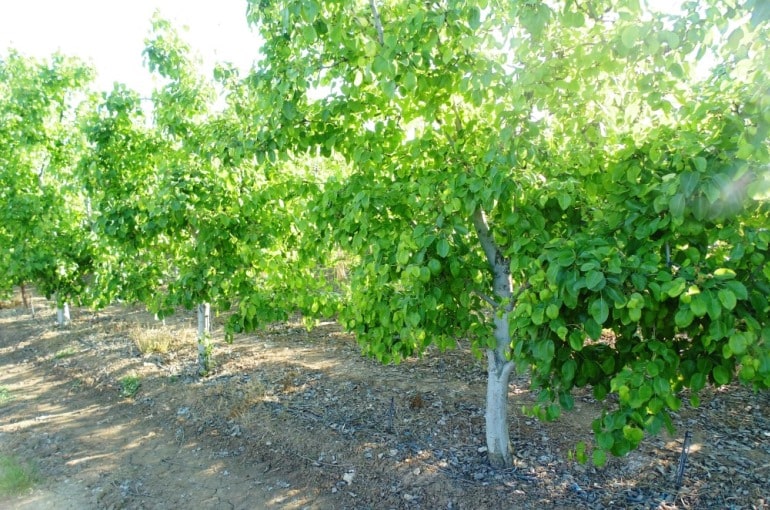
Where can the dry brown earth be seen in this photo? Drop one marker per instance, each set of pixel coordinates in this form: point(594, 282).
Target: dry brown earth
point(295, 419)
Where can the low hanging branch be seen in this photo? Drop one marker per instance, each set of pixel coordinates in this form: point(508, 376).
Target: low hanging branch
point(377, 22)
point(494, 304)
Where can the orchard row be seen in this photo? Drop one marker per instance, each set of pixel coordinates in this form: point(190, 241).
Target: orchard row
point(580, 189)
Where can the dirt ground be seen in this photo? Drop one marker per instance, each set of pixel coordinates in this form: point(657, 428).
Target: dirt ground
point(293, 419)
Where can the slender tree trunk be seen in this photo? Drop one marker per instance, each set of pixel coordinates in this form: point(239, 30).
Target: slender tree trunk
point(204, 339)
point(63, 315)
point(498, 375)
point(498, 438)
point(31, 303)
point(498, 366)
point(23, 295)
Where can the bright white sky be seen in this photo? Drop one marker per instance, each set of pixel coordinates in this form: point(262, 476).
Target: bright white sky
point(111, 33)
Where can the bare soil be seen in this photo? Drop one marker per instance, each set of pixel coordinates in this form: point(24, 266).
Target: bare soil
point(293, 419)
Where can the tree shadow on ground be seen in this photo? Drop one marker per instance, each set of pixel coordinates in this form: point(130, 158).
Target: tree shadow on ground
point(298, 419)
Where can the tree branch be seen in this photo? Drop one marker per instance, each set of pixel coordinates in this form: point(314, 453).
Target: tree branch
point(488, 299)
point(377, 22)
point(485, 237)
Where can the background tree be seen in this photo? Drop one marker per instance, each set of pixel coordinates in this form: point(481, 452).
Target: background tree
point(191, 216)
point(528, 175)
point(43, 224)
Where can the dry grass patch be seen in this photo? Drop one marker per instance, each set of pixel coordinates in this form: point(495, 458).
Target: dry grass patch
point(10, 302)
point(160, 339)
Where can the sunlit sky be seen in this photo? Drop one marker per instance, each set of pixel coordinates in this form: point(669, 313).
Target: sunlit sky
point(110, 33)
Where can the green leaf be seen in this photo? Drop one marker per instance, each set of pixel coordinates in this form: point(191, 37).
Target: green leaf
point(738, 343)
point(552, 311)
point(699, 305)
point(683, 317)
point(574, 19)
point(675, 287)
point(661, 386)
point(566, 259)
point(568, 370)
point(442, 247)
point(565, 201)
point(721, 375)
point(699, 163)
point(309, 34)
point(593, 329)
point(633, 434)
point(599, 310)
point(677, 205)
point(576, 339)
point(727, 298)
point(724, 273)
point(689, 182)
point(595, 280)
point(474, 18)
point(380, 65)
point(698, 381)
point(629, 36)
point(599, 458)
point(737, 287)
point(605, 440)
point(632, 174)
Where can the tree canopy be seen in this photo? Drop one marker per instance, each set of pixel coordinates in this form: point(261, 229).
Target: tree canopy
point(567, 169)
point(42, 217)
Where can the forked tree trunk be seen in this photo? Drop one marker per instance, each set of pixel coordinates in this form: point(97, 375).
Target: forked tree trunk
point(204, 339)
point(498, 366)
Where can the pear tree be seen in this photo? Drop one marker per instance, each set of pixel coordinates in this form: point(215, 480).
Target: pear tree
point(567, 185)
point(43, 227)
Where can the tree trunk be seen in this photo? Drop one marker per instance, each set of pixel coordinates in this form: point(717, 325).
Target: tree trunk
point(63, 315)
point(23, 295)
point(498, 366)
point(498, 374)
point(498, 438)
point(204, 339)
point(31, 303)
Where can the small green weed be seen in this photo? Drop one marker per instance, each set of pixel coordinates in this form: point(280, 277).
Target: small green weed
point(5, 395)
point(15, 477)
point(129, 385)
point(65, 353)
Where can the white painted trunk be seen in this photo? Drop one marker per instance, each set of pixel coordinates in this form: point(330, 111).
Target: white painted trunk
point(498, 366)
point(63, 315)
point(204, 338)
point(498, 375)
point(498, 438)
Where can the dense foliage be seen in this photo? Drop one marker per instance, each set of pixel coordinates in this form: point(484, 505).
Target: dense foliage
point(578, 189)
point(43, 227)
